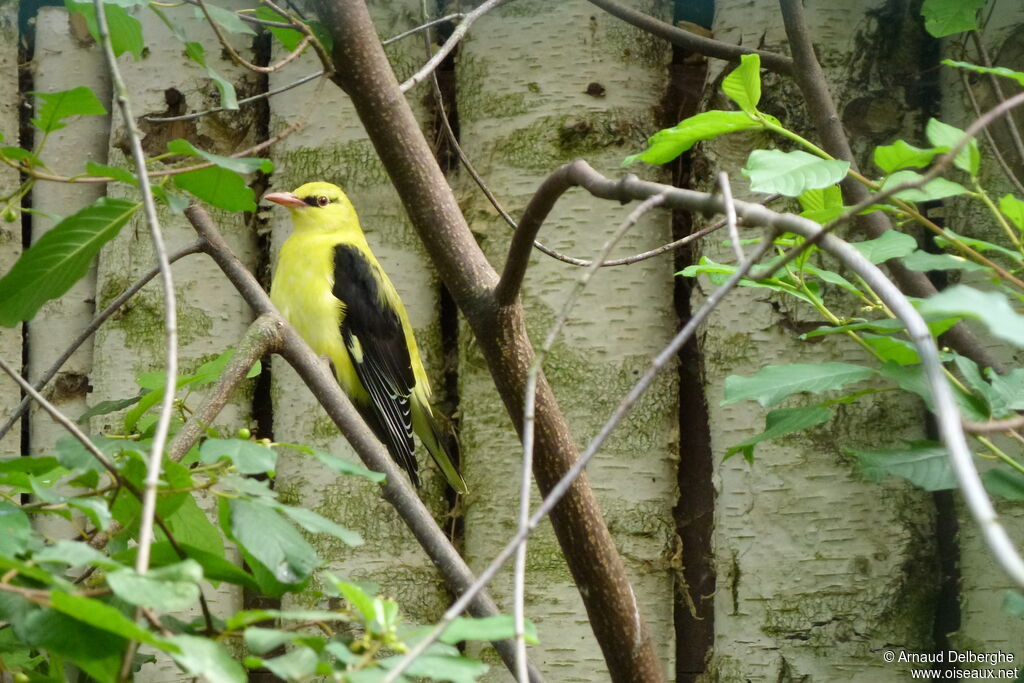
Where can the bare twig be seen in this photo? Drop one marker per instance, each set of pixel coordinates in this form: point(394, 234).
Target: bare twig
point(423, 27)
point(691, 41)
point(241, 61)
point(997, 86)
point(91, 328)
point(992, 146)
point(529, 415)
point(246, 100)
point(457, 35)
point(170, 312)
point(730, 217)
point(994, 425)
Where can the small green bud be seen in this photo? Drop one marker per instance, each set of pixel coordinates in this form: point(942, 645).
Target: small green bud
point(10, 215)
point(244, 433)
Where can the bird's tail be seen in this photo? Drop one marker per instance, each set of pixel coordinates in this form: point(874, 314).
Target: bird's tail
point(442, 444)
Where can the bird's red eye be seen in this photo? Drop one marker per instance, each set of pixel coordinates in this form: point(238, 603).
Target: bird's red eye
point(322, 201)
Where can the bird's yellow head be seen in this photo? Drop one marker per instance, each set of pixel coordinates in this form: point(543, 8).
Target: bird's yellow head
point(317, 207)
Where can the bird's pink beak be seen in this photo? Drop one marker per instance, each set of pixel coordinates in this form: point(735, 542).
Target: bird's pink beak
point(289, 199)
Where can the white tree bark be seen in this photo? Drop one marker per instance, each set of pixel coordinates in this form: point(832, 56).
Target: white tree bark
point(583, 84)
point(10, 232)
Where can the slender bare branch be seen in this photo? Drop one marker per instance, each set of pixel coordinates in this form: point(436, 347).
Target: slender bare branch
point(170, 311)
point(730, 217)
point(244, 63)
point(457, 35)
point(691, 41)
point(423, 27)
point(245, 100)
point(992, 426)
point(992, 146)
point(997, 86)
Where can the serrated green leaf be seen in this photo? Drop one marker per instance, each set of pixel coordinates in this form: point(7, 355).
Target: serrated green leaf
point(946, 17)
point(96, 509)
point(780, 422)
point(102, 616)
point(497, 627)
point(104, 171)
point(743, 84)
point(819, 199)
point(1013, 209)
point(226, 18)
point(94, 651)
point(318, 524)
point(289, 38)
point(207, 658)
point(667, 144)
point(993, 309)
point(944, 135)
point(911, 378)
point(107, 407)
point(75, 554)
point(58, 106)
point(72, 453)
point(298, 664)
point(995, 70)
point(831, 277)
point(219, 187)
point(1008, 484)
point(892, 349)
point(348, 467)
point(939, 188)
point(791, 173)
point(1009, 389)
point(190, 526)
point(892, 244)
point(60, 258)
point(455, 668)
point(358, 598)
point(773, 383)
point(924, 463)
point(125, 30)
point(272, 541)
point(236, 164)
point(169, 588)
point(901, 154)
point(923, 261)
point(974, 243)
point(15, 529)
point(197, 53)
point(248, 457)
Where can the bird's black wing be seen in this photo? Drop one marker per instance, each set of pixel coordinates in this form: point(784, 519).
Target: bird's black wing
point(375, 340)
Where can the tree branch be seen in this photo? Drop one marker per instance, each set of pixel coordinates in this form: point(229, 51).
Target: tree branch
point(362, 71)
point(691, 41)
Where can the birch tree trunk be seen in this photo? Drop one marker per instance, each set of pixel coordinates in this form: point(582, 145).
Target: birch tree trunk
point(583, 85)
point(10, 230)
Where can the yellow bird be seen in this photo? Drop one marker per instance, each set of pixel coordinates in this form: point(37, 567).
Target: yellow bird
point(330, 287)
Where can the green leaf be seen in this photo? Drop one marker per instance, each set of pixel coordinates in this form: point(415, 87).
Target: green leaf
point(94, 651)
point(104, 171)
point(453, 668)
point(1013, 209)
point(940, 188)
point(169, 588)
point(1008, 388)
point(318, 524)
point(993, 309)
point(298, 664)
point(72, 453)
point(15, 529)
point(900, 154)
point(272, 541)
point(911, 378)
point(497, 627)
point(347, 467)
point(218, 186)
point(248, 617)
point(96, 509)
point(125, 30)
point(791, 173)
point(1006, 483)
point(190, 526)
point(248, 457)
point(197, 53)
point(995, 70)
point(772, 383)
point(207, 658)
point(780, 422)
point(979, 245)
point(107, 407)
point(944, 135)
point(831, 278)
point(892, 244)
point(893, 349)
point(358, 598)
point(923, 463)
point(236, 164)
point(102, 616)
point(946, 17)
point(75, 554)
point(1013, 604)
point(743, 84)
point(226, 18)
point(822, 205)
point(288, 37)
point(923, 261)
point(57, 106)
point(667, 144)
point(60, 258)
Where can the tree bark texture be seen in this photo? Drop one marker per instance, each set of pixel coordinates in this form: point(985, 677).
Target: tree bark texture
point(10, 231)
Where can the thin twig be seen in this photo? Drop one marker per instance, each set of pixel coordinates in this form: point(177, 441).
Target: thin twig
point(529, 416)
point(256, 21)
point(246, 100)
point(997, 86)
point(559, 490)
point(244, 63)
point(90, 329)
point(730, 216)
point(1006, 425)
point(170, 311)
point(992, 146)
point(457, 35)
point(691, 41)
point(423, 27)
